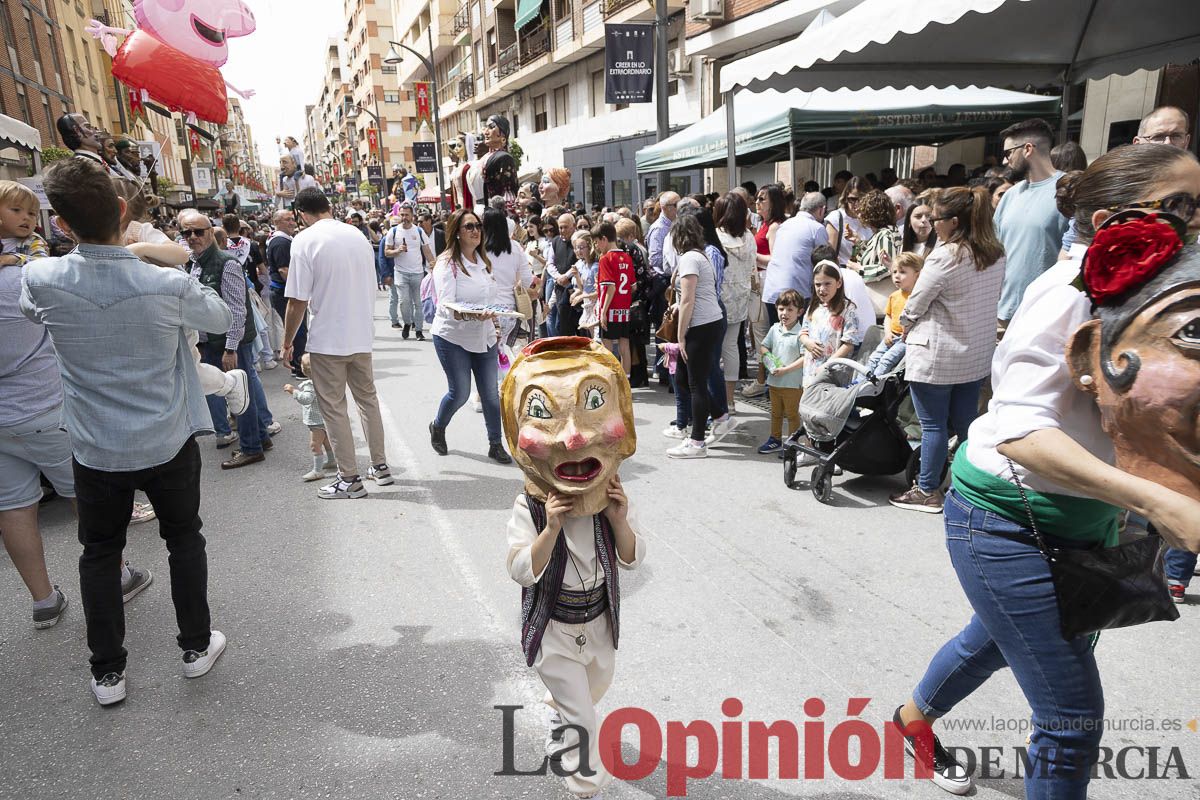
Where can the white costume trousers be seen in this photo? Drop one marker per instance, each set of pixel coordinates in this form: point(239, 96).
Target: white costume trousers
point(576, 681)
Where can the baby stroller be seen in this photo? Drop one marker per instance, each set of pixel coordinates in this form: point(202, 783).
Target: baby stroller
point(852, 426)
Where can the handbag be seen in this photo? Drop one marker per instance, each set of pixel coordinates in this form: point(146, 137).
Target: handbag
point(1108, 587)
point(523, 303)
point(668, 331)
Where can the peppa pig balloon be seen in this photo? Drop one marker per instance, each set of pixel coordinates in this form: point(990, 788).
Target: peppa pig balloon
point(174, 54)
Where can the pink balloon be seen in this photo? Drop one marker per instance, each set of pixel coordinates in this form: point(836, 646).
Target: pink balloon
point(198, 28)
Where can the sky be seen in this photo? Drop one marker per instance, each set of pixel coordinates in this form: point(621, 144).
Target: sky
point(283, 61)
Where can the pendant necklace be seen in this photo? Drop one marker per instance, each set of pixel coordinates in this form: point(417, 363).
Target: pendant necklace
point(581, 639)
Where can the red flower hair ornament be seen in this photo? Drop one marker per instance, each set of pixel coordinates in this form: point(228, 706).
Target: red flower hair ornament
point(1128, 250)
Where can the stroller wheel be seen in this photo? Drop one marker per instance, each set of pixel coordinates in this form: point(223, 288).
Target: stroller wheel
point(789, 468)
point(821, 484)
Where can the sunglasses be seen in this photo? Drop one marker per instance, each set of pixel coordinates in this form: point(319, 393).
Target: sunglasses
point(1181, 204)
point(470, 227)
point(1008, 152)
point(188, 233)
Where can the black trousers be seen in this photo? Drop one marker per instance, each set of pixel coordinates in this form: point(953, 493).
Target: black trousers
point(105, 503)
point(300, 342)
point(702, 343)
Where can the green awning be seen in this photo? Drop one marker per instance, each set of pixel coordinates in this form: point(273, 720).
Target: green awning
point(823, 122)
point(527, 11)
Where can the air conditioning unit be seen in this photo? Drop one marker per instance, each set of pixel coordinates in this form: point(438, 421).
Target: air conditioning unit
point(707, 10)
point(679, 63)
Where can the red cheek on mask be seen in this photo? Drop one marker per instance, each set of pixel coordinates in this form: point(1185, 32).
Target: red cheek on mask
point(614, 431)
point(535, 443)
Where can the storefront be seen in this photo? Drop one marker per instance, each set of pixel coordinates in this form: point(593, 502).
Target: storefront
point(604, 173)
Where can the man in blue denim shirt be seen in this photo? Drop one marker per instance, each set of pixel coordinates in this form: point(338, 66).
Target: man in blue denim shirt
point(132, 408)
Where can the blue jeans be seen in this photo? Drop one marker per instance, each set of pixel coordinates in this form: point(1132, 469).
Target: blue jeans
point(1016, 625)
point(886, 357)
point(408, 285)
point(940, 408)
point(459, 365)
point(1180, 565)
point(393, 302)
point(250, 436)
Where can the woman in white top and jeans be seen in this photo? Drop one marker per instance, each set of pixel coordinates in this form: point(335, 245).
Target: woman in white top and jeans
point(731, 216)
point(700, 327)
point(1050, 428)
point(466, 343)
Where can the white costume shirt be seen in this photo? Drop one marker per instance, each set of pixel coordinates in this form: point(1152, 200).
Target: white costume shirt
point(1033, 387)
point(581, 544)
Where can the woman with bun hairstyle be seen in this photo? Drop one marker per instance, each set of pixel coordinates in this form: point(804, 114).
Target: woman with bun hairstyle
point(1044, 428)
point(947, 333)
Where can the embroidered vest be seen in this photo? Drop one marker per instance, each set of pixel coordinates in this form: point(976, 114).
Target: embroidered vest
point(538, 601)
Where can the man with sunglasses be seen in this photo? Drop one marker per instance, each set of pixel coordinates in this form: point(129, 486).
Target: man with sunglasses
point(1028, 222)
point(232, 348)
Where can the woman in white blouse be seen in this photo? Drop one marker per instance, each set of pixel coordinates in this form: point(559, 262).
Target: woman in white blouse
point(466, 344)
point(1043, 428)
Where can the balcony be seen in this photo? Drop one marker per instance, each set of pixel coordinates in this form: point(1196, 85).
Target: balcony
point(466, 88)
point(462, 19)
point(610, 7)
point(533, 41)
point(509, 61)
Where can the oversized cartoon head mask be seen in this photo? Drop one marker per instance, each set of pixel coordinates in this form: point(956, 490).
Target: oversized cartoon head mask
point(568, 419)
point(1140, 356)
point(198, 28)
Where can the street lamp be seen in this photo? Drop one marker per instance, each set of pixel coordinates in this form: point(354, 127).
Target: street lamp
point(393, 57)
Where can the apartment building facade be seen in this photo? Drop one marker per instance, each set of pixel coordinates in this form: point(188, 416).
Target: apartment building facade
point(546, 77)
point(375, 113)
point(35, 86)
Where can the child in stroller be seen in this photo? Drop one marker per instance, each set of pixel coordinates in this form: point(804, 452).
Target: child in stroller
point(855, 426)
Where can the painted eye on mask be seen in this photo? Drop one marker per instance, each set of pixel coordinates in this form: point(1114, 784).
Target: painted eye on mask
point(537, 408)
point(1189, 334)
point(593, 399)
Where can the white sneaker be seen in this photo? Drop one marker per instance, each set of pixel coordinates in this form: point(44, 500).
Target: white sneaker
point(478, 406)
point(196, 664)
point(755, 389)
point(224, 440)
point(274, 428)
point(688, 449)
point(313, 475)
point(380, 474)
point(237, 391)
point(722, 428)
point(270, 365)
point(109, 689)
point(673, 432)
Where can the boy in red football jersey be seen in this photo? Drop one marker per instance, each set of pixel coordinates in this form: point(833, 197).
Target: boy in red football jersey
point(616, 281)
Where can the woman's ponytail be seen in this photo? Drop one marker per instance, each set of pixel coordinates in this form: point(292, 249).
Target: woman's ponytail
point(973, 209)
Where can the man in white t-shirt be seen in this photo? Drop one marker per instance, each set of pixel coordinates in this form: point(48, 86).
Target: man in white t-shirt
point(331, 274)
point(409, 248)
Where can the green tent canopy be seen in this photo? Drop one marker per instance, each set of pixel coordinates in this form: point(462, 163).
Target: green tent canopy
point(821, 122)
point(527, 11)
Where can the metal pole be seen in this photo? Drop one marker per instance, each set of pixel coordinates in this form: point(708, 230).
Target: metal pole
point(660, 81)
point(730, 140)
point(792, 160)
point(1066, 108)
point(437, 116)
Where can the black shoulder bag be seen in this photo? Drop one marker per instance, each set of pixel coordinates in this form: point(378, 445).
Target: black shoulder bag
point(1105, 587)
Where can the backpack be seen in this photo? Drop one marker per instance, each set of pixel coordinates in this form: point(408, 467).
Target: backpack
point(429, 300)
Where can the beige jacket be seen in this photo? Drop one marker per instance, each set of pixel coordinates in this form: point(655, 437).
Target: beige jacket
point(950, 318)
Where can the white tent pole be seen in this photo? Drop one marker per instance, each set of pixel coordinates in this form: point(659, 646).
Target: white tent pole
point(791, 155)
point(730, 140)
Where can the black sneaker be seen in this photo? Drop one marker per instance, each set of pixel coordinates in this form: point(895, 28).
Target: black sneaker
point(420, 336)
point(395, 324)
point(437, 438)
point(947, 773)
point(404, 331)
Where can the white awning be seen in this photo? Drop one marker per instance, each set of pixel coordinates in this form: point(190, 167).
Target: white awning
point(18, 134)
point(984, 42)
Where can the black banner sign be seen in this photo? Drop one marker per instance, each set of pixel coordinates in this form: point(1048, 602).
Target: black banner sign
point(425, 155)
point(628, 63)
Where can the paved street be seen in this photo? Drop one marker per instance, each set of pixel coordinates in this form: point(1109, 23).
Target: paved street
point(369, 640)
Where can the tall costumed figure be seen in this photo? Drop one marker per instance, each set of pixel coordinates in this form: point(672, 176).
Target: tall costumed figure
point(568, 419)
point(494, 172)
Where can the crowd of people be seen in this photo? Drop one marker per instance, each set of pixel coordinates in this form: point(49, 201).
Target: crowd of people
point(106, 352)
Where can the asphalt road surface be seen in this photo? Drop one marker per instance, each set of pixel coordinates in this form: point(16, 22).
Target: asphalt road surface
point(370, 640)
